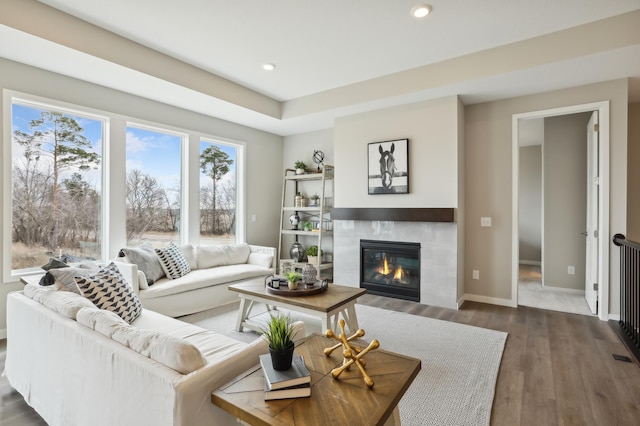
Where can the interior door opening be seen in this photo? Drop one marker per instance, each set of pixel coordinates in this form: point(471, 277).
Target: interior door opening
point(555, 277)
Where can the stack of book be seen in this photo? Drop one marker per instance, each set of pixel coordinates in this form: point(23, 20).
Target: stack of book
point(292, 383)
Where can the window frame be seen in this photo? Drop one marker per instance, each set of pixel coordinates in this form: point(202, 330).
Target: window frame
point(113, 174)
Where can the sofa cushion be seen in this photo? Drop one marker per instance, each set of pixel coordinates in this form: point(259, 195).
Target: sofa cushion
point(173, 262)
point(204, 278)
point(108, 290)
point(147, 260)
point(231, 254)
point(176, 353)
point(260, 259)
point(63, 302)
point(65, 277)
point(189, 253)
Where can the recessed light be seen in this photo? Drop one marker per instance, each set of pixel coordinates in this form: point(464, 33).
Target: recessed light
point(421, 10)
point(268, 67)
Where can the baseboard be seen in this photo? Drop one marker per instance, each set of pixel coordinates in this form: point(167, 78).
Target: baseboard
point(564, 290)
point(530, 262)
point(486, 299)
point(3, 333)
point(614, 317)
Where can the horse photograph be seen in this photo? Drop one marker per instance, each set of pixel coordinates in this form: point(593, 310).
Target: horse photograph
point(389, 167)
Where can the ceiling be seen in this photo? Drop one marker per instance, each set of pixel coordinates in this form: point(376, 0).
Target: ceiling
point(332, 57)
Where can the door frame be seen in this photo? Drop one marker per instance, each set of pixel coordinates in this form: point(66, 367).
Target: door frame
point(603, 202)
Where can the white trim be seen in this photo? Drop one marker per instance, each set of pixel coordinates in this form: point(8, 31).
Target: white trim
point(530, 262)
point(614, 317)
point(603, 208)
point(3, 333)
point(563, 290)
point(485, 299)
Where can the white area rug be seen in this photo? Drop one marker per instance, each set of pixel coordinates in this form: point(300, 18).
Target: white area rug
point(460, 363)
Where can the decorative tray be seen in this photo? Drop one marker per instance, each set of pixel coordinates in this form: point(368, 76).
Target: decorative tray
point(302, 290)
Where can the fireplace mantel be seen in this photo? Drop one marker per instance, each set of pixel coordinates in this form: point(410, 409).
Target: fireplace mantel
point(394, 214)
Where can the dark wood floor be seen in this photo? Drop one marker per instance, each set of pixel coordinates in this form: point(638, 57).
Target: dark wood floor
point(557, 368)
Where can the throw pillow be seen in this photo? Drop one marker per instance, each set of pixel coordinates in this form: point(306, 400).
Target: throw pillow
point(147, 260)
point(260, 259)
point(108, 290)
point(66, 276)
point(54, 264)
point(173, 262)
point(189, 253)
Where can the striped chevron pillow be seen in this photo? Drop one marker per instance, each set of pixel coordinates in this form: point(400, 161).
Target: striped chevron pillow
point(108, 290)
point(173, 261)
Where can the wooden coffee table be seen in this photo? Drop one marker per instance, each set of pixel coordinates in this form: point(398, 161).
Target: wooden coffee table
point(342, 401)
point(337, 301)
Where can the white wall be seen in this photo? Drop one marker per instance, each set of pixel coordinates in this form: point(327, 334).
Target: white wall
point(263, 150)
point(530, 204)
point(633, 192)
point(432, 130)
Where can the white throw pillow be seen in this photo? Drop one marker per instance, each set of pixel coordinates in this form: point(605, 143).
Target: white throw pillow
point(189, 253)
point(109, 290)
point(212, 256)
point(63, 302)
point(173, 262)
point(260, 259)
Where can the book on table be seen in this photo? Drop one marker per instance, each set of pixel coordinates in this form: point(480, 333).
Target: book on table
point(297, 391)
point(294, 376)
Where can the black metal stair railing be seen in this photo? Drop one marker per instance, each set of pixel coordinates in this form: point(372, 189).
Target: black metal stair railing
point(628, 327)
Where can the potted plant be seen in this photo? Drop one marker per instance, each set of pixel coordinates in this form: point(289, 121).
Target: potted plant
point(279, 334)
point(312, 254)
point(300, 167)
point(292, 279)
point(315, 200)
point(306, 226)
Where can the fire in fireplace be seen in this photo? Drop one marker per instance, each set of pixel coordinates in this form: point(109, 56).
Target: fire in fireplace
point(390, 268)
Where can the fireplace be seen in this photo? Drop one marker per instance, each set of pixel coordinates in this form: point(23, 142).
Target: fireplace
point(390, 268)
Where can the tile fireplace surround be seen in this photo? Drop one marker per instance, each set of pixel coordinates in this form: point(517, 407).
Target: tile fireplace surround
point(438, 254)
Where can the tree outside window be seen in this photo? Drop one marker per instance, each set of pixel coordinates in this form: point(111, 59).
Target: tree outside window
point(56, 186)
point(218, 193)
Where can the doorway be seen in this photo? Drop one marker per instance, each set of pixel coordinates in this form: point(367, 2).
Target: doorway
point(550, 263)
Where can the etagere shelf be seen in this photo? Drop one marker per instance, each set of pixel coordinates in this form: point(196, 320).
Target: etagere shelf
point(321, 184)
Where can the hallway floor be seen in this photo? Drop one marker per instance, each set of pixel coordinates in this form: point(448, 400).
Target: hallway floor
point(532, 294)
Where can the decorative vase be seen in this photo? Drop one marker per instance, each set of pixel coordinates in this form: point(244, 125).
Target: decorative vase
point(297, 252)
point(293, 285)
point(312, 259)
point(299, 171)
point(309, 274)
point(281, 360)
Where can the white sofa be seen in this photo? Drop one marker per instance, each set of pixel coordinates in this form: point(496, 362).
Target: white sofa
point(213, 268)
point(63, 359)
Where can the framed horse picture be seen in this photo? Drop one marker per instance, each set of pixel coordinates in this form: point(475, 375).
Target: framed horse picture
point(388, 167)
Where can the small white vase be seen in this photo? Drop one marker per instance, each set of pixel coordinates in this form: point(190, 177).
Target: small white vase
point(299, 171)
point(293, 285)
point(312, 260)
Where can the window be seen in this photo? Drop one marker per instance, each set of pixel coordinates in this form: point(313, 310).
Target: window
point(56, 158)
point(218, 192)
point(153, 188)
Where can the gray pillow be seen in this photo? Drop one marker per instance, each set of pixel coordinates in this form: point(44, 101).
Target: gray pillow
point(66, 276)
point(147, 260)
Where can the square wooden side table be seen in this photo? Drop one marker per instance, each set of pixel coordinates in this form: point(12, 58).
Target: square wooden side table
point(342, 401)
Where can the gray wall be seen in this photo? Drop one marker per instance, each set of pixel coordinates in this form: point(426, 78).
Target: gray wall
point(488, 130)
point(565, 199)
point(530, 204)
point(263, 150)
